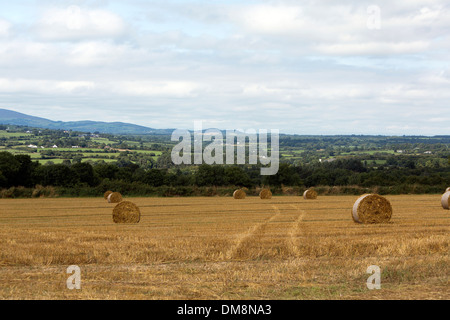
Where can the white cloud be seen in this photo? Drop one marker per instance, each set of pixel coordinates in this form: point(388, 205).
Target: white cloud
point(46, 87)
point(274, 20)
point(18, 53)
point(5, 27)
point(76, 23)
point(174, 89)
point(171, 89)
point(342, 29)
point(96, 53)
point(297, 66)
point(373, 48)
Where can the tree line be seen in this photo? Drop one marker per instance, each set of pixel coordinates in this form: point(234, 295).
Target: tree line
point(84, 178)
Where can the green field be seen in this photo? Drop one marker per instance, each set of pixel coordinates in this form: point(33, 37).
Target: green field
point(55, 161)
point(103, 140)
point(369, 152)
point(6, 134)
point(157, 153)
point(72, 149)
point(59, 161)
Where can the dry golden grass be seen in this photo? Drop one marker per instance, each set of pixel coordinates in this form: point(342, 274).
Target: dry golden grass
point(218, 248)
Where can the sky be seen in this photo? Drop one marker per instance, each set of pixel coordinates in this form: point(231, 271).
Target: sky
point(305, 67)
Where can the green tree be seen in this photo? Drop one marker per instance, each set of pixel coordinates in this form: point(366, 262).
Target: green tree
point(9, 166)
point(85, 173)
point(208, 175)
point(106, 171)
point(154, 177)
point(56, 175)
point(236, 176)
point(3, 181)
point(286, 175)
point(23, 176)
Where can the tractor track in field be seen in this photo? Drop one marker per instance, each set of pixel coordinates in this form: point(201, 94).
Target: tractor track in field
point(295, 231)
point(256, 230)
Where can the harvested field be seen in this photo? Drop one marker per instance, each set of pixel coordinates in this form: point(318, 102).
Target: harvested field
point(219, 248)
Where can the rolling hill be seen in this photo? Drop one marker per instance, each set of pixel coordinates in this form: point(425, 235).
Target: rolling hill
point(9, 117)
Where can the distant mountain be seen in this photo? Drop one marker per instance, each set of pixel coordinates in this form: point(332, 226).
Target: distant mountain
point(19, 119)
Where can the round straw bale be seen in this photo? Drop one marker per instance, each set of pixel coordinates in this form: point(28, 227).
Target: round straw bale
point(265, 194)
point(114, 197)
point(126, 212)
point(310, 194)
point(445, 200)
point(106, 194)
point(371, 208)
point(239, 194)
